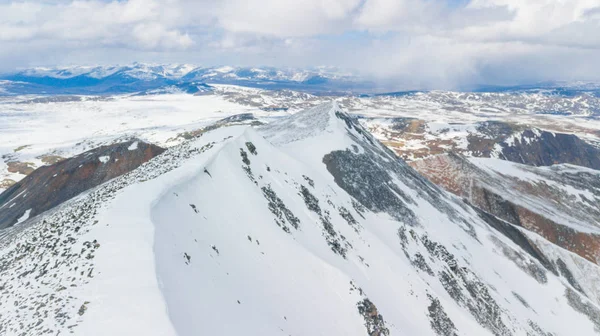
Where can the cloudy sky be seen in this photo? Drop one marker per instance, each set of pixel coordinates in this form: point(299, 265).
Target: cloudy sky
point(409, 43)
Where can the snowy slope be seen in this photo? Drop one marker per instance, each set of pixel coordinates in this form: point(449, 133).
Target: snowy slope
point(566, 193)
point(559, 203)
point(306, 226)
point(34, 133)
point(37, 130)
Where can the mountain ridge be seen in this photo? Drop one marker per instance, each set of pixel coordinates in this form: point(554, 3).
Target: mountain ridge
point(298, 250)
point(140, 77)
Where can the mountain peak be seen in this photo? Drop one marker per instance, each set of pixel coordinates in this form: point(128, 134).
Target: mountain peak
point(302, 125)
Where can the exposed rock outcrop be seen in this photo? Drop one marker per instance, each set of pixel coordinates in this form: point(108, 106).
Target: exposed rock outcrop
point(51, 185)
point(535, 147)
point(543, 205)
point(414, 139)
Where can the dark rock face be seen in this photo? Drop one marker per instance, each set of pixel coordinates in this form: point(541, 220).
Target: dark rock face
point(499, 139)
point(373, 174)
point(370, 184)
point(280, 210)
point(532, 147)
point(518, 238)
point(52, 185)
point(564, 270)
point(312, 203)
point(586, 245)
point(489, 193)
point(374, 322)
point(584, 307)
point(552, 148)
point(440, 322)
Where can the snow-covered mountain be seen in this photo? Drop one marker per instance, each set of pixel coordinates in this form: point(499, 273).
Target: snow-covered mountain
point(140, 77)
point(304, 226)
point(414, 139)
point(556, 98)
point(176, 71)
point(37, 130)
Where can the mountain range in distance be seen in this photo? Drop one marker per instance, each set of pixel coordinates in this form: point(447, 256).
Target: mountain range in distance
point(167, 78)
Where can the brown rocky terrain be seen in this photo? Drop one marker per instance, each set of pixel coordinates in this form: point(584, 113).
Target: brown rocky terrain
point(547, 205)
point(6, 183)
point(24, 168)
point(415, 139)
point(49, 186)
point(50, 159)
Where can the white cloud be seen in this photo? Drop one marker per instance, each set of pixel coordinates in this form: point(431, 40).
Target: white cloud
point(285, 18)
point(409, 42)
point(153, 35)
point(141, 23)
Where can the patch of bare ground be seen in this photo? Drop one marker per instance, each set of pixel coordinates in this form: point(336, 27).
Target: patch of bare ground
point(20, 148)
point(7, 183)
point(18, 167)
point(50, 159)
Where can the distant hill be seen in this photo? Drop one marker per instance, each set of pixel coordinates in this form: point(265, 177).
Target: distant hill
point(140, 77)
